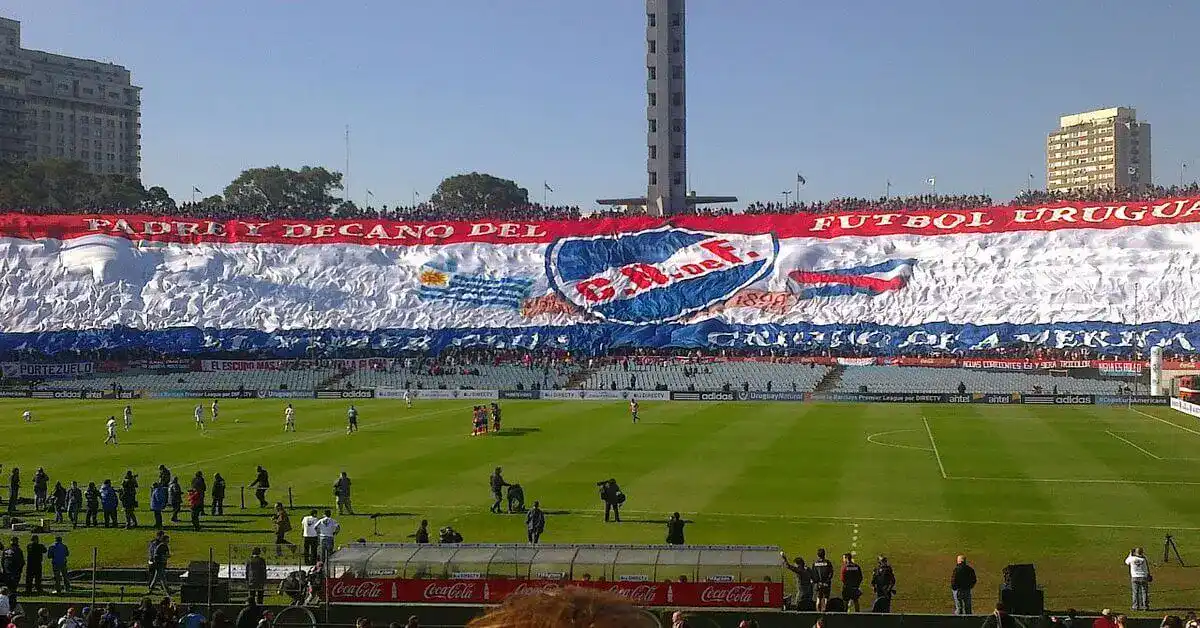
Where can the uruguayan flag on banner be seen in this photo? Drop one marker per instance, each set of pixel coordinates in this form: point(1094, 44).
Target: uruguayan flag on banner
point(506, 292)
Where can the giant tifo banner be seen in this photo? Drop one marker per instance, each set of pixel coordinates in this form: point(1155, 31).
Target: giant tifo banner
point(1111, 277)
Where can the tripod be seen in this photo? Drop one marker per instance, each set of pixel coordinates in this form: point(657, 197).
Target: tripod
point(1170, 547)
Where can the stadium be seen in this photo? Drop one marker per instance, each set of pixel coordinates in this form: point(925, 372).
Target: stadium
point(340, 414)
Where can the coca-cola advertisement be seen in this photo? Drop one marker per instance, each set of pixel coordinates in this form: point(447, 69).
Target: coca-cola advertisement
point(664, 594)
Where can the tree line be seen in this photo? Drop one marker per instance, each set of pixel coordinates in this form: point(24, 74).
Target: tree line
point(68, 185)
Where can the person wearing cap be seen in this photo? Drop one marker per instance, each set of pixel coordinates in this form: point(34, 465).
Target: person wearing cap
point(1139, 579)
point(1105, 620)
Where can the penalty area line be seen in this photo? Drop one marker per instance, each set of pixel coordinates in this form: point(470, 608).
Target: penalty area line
point(1162, 420)
point(1132, 444)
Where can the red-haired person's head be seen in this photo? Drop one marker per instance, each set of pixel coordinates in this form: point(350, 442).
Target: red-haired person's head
point(571, 607)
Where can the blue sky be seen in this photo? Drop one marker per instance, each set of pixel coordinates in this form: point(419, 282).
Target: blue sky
point(849, 93)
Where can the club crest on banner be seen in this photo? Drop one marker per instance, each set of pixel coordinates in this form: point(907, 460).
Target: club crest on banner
point(658, 275)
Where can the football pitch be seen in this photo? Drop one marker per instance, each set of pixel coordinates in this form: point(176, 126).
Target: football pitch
point(1070, 489)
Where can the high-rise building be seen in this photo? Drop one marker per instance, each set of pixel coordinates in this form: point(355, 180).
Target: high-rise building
point(64, 107)
point(666, 105)
point(1105, 148)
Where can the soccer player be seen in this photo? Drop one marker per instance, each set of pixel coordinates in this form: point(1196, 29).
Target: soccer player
point(352, 420)
point(112, 431)
point(633, 409)
point(215, 409)
point(128, 418)
point(199, 414)
point(408, 399)
point(27, 416)
point(289, 419)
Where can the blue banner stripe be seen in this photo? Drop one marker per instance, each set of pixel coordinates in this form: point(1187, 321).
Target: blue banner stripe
point(469, 297)
point(457, 280)
point(882, 267)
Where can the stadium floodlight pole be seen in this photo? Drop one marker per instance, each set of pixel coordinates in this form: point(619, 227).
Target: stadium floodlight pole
point(786, 194)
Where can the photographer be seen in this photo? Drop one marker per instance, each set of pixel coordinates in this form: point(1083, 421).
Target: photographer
point(675, 530)
point(611, 495)
point(1139, 578)
point(449, 535)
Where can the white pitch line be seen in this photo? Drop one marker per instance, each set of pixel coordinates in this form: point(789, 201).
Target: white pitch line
point(871, 439)
point(320, 436)
point(1162, 420)
point(935, 448)
point(1132, 444)
point(833, 519)
point(1078, 481)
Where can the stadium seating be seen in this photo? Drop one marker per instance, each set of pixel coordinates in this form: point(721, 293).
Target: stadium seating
point(714, 376)
point(945, 380)
point(227, 380)
point(502, 377)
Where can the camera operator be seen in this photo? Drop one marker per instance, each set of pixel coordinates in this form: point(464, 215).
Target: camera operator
point(1139, 578)
point(675, 530)
point(611, 495)
point(449, 535)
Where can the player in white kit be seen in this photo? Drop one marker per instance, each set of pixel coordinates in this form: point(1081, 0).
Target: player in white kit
point(289, 419)
point(214, 410)
point(633, 410)
point(407, 399)
point(128, 418)
point(199, 413)
point(112, 431)
point(27, 416)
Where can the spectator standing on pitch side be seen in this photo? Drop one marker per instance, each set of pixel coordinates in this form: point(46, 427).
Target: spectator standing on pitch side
point(283, 525)
point(1139, 578)
point(35, 554)
point(256, 576)
point(327, 529)
point(158, 502)
point(675, 530)
point(175, 498)
point(962, 581)
point(308, 526)
point(341, 494)
point(218, 496)
point(58, 553)
point(535, 523)
point(262, 482)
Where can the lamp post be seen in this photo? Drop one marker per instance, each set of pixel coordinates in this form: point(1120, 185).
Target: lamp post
point(786, 195)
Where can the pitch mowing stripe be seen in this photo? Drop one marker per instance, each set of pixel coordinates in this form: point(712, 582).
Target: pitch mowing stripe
point(1077, 481)
point(323, 435)
point(833, 519)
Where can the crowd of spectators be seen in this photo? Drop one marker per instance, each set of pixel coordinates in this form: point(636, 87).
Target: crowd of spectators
point(534, 211)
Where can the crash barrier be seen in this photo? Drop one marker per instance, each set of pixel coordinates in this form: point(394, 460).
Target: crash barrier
point(696, 576)
point(610, 395)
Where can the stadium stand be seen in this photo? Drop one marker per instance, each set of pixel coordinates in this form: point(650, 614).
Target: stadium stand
point(501, 377)
point(251, 380)
point(759, 376)
point(889, 379)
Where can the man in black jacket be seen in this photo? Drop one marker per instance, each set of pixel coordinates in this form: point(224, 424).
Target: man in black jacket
point(611, 495)
point(962, 581)
point(35, 553)
point(261, 482)
point(822, 575)
point(218, 496)
point(675, 530)
point(852, 579)
point(883, 583)
point(497, 484)
point(200, 486)
point(804, 583)
point(535, 523)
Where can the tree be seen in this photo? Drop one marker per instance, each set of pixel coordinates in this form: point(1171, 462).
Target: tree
point(277, 188)
point(65, 184)
point(159, 200)
point(478, 193)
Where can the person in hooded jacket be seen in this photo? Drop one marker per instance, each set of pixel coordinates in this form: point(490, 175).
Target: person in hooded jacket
point(175, 498)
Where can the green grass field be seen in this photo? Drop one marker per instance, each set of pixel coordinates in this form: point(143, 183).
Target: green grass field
point(1068, 488)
